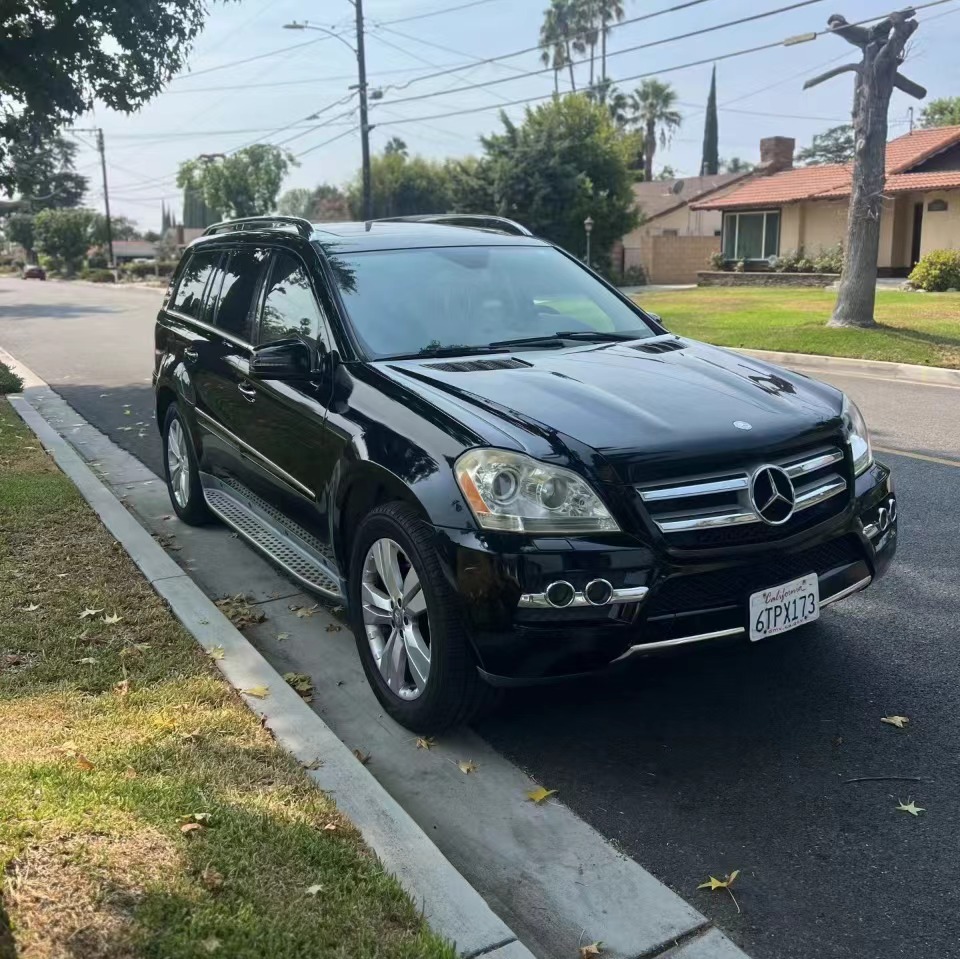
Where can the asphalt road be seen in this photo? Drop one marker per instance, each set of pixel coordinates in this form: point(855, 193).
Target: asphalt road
point(733, 758)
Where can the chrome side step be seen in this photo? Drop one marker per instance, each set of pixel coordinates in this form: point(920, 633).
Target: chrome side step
point(291, 547)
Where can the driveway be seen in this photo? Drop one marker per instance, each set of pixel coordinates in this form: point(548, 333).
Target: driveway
point(739, 757)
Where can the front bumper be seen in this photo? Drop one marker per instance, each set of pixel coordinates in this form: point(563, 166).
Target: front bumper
point(663, 598)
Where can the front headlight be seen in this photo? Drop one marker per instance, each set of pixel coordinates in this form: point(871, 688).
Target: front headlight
point(858, 436)
point(511, 491)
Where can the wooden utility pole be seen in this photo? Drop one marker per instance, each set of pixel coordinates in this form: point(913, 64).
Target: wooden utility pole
point(876, 76)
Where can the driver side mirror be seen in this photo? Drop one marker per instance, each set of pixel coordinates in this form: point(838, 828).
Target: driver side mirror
point(283, 360)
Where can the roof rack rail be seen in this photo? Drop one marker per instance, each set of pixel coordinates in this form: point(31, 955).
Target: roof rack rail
point(480, 221)
point(295, 224)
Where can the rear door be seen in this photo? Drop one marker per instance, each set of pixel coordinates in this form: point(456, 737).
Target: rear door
point(289, 430)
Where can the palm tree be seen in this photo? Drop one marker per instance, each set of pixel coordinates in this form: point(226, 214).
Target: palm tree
point(617, 103)
point(587, 29)
point(556, 36)
point(653, 110)
point(610, 10)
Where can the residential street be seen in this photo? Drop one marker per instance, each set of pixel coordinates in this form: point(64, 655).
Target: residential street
point(732, 758)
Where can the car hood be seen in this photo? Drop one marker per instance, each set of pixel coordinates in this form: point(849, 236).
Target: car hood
point(645, 409)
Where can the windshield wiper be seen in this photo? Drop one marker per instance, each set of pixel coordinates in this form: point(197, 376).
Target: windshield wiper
point(549, 339)
point(432, 351)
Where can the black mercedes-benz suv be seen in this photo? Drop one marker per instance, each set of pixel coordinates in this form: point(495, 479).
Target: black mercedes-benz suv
point(505, 469)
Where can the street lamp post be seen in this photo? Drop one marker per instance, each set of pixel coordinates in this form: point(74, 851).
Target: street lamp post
point(588, 229)
point(362, 90)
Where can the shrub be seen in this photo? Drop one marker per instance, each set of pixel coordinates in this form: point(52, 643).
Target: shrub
point(740, 266)
point(633, 276)
point(98, 276)
point(6, 260)
point(9, 381)
point(939, 270)
point(140, 270)
point(718, 261)
point(829, 260)
point(166, 267)
point(97, 262)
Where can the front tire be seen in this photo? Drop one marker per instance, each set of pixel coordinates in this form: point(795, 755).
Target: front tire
point(410, 637)
point(181, 470)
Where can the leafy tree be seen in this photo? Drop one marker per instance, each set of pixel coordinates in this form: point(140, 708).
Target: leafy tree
point(667, 173)
point(395, 146)
point(65, 234)
point(122, 228)
point(296, 202)
point(20, 229)
point(41, 171)
point(556, 38)
point(736, 165)
point(57, 58)
point(944, 112)
point(654, 112)
point(710, 161)
point(151, 236)
point(565, 162)
point(243, 184)
point(470, 182)
point(402, 186)
point(330, 205)
point(832, 146)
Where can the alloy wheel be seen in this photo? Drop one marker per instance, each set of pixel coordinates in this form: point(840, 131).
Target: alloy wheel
point(178, 463)
point(395, 619)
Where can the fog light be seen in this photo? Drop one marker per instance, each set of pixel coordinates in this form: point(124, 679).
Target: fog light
point(598, 592)
point(560, 594)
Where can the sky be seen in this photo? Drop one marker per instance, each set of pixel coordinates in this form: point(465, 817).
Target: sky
point(216, 107)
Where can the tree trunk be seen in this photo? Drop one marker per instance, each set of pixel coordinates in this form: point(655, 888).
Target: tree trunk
point(592, 49)
point(650, 147)
point(603, 50)
point(556, 83)
point(573, 83)
point(858, 284)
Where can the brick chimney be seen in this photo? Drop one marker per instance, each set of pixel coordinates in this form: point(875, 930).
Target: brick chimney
point(776, 154)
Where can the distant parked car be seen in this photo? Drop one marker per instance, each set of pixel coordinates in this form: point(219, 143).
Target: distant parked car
point(33, 272)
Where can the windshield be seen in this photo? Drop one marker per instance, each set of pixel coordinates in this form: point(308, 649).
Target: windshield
point(408, 302)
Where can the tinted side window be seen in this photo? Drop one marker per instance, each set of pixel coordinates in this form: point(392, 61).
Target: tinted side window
point(189, 295)
point(289, 305)
point(241, 277)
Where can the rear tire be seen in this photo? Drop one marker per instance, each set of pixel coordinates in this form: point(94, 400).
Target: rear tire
point(181, 470)
point(406, 619)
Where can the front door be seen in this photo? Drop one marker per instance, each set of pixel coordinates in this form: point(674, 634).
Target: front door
point(289, 428)
point(917, 234)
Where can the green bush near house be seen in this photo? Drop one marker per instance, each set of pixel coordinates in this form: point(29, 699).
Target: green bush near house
point(98, 276)
point(9, 381)
point(937, 272)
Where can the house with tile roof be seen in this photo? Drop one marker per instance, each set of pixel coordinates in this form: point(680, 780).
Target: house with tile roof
point(806, 208)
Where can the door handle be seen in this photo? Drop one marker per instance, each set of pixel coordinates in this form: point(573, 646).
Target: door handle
point(247, 391)
point(191, 354)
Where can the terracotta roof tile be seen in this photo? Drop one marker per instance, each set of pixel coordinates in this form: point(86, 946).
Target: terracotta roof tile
point(832, 180)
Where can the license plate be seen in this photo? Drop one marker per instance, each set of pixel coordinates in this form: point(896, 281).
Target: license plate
point(785, 607)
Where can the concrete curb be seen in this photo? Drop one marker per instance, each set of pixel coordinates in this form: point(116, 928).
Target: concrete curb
point(453, 908)
point(879, 369)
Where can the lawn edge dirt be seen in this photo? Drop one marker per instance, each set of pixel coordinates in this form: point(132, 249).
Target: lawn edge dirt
point(452, 907)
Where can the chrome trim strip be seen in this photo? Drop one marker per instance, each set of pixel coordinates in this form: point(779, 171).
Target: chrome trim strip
point(870, 530)
point(815, 496)
point(705, 522)
point(209, 328)
point(849, 591)
point(815, 463)
point(632, 594)
point(694, 489)
point(214, 427)
point(679, 641)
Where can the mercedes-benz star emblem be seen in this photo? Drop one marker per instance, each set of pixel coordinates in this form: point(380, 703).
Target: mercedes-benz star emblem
point(772, 495)
point(742, 425)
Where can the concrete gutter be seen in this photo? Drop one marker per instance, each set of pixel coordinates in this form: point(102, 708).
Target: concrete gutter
point(453, 908)
point(877, 369)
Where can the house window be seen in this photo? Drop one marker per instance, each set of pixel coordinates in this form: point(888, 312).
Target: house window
point(670, 233)
point(937, 206)
point(751, 236)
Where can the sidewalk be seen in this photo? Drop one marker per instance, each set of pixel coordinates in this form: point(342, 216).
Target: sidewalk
point(143, 808)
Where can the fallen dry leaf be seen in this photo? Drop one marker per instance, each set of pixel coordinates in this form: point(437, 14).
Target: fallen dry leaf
point(111, 620)
point(725, 883)
point(88, 660)
point(362, 756)
point(426, 742)
point(258, 692)
point(88, 612)
point(910, 807)
point(210, 878)
point(216, 652)
point(32, 608)
point(467, 766)
point(898, 721)
point(539, 794)
point(211, 944)
point(594, 949)
point(201, 817)
point(122, 689)
point(130, 773)
point(85, 764)
point(282, 636)
point(330, 826)
point(192, 735)
point(69, 748)
point(316, 764)
point(293, 608)
point(189, 827)
point(307, 613)
point(301, 682)
point(333, 628)
point(313, 890)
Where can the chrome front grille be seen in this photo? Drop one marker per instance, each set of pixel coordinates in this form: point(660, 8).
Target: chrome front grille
point(699, 511)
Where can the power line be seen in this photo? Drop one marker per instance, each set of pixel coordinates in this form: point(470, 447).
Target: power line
point(437, 13)
point(641, 46)
point(259, 56)
point(325, 142)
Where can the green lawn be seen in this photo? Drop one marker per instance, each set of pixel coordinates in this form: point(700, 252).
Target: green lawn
point(116, 732)
point(914, 327)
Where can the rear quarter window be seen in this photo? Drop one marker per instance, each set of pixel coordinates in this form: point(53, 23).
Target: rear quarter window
point(189, 298)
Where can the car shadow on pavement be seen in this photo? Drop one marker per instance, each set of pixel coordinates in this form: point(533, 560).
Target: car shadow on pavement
point(51, 311)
